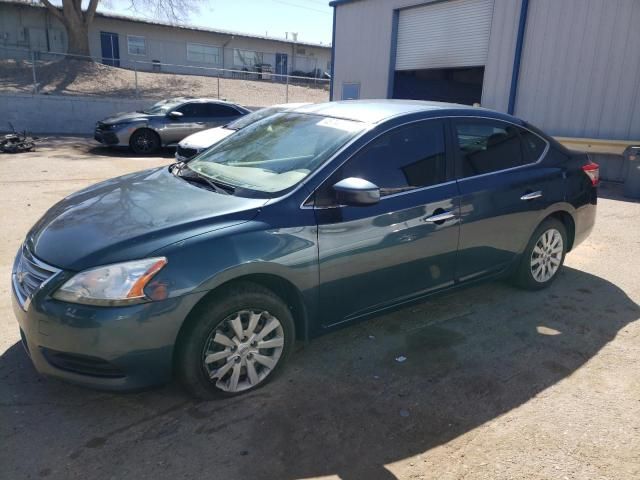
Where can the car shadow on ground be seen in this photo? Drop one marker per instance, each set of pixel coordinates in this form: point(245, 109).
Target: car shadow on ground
point(344, 406)
point(78, 147)
point(122, 152)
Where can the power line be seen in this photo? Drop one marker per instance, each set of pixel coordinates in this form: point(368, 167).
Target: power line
point(302, 6)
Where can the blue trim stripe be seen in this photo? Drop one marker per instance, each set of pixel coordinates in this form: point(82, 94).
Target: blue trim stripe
point(515, 75)
point(333, 55)
point(335, 3)
point(392, 56)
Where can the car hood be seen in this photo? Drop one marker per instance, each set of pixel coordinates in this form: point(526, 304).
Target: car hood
point(130, 217)
point(206, 138)
point(127, 117)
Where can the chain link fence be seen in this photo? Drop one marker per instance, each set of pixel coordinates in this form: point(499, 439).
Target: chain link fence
point(28, 71)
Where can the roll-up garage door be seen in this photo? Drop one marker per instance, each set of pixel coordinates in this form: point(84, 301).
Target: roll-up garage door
point(446, 34)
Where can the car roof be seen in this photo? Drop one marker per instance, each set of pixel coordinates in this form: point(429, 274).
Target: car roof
point(376, 111)
point(207, 100)
point(290, 106)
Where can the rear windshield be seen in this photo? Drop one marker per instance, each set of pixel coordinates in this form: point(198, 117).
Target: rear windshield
point(253, 117)
point(162, 107)
point(275, 153)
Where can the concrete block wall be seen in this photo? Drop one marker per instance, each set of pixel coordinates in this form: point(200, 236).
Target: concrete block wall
point(57, 114)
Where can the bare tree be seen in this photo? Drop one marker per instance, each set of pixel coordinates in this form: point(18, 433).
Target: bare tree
point(76, 21)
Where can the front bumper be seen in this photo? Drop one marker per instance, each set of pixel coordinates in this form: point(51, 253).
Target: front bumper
point(105, 137)
point(184, 153)
point(113, 138)
point(109, 348)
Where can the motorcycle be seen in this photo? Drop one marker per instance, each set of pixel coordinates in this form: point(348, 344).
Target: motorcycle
point(16, 142)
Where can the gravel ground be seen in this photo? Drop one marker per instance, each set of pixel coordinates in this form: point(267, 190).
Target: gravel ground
point(497, 384)
point(73, 77)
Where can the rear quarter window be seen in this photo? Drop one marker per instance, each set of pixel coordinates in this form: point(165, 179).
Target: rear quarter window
point(533, 145)
point(217, 110)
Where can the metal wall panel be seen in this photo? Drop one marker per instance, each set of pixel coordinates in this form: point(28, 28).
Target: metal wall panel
point(364, 42)
point(580, 74)
point(444, 35)
point(580, 71)
point(502, 45)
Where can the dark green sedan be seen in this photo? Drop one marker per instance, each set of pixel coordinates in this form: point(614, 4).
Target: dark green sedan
point(301, 223)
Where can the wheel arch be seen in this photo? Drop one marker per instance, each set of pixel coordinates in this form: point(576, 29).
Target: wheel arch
point(569, 223)
point(283, 288)
point(149, 128)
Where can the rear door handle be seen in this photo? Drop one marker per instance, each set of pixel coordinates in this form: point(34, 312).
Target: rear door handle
point(440, 217)
point(531, 196)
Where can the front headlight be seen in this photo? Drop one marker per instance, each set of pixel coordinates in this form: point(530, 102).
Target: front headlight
point(117, 284)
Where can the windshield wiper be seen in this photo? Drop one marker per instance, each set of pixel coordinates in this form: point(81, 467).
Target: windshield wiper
point(194, 176)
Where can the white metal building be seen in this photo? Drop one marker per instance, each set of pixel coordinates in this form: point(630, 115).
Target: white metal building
point(571, 67)
point(123, 41)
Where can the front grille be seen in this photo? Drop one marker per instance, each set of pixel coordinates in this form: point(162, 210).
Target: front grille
point(187, 153)
point(29, 275)
point(104, 134)
point(82, 364)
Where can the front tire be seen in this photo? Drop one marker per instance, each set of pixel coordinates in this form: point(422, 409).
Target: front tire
point(144, 142)
point(235, 342)
point(544, 256)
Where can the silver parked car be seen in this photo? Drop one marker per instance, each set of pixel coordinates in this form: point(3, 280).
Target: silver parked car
point(194, 144)
point(165, 123)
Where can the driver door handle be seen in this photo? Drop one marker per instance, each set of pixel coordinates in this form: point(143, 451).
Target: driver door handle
point(531, 196)
point(440, 217)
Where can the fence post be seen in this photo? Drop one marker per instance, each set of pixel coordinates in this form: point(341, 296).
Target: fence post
point(286, 95)
point(33, 69)
point(218, 77)
point(135, 73)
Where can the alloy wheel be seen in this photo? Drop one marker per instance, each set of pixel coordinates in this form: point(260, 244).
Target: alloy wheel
point(546, 256)
point(144, 142)
point(243, 350)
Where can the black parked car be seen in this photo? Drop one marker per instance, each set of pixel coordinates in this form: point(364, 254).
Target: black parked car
point(165, 123)
point(295, 225)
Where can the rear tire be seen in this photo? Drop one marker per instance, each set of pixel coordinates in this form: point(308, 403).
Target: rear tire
point(544, 256)
point(144, 141)
point(235, 342)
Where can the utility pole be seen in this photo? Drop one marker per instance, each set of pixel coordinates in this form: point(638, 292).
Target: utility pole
point(294, 36)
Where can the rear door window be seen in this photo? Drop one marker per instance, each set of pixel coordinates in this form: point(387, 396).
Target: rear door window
point(487, 146)
point(217, 110)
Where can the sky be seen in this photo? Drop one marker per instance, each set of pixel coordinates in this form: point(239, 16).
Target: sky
point(311, 19)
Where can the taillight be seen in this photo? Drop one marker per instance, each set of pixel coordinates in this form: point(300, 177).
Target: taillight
point(593, 172)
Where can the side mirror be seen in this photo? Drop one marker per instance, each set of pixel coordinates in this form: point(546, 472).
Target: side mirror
point(356, 192)
point(175, 115)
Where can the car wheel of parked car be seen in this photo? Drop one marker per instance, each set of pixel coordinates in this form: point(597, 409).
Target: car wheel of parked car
point(144, 141)
point(235, 342)
point(544, 256)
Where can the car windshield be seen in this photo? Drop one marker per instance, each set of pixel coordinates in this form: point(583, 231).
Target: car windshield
point(162, 107)
point(253, 117)
point(275, 153)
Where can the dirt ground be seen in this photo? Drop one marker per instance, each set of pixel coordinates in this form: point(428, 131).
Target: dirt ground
point(498, 383)
point(74, 77)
